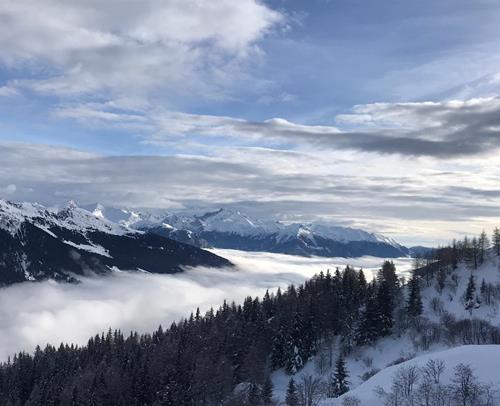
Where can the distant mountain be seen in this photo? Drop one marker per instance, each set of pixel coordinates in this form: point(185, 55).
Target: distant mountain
point(232, 229)
point(420, 251)
point(37, 243)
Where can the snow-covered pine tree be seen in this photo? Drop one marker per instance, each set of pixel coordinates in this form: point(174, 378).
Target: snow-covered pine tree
point(295, 361)
point(294, 350)
point(339, 383)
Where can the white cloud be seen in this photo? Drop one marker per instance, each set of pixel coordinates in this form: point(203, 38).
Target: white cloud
point(8, 91)
point(112, 50)
point(47, 312)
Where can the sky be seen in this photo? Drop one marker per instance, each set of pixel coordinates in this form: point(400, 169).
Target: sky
point(379, 115)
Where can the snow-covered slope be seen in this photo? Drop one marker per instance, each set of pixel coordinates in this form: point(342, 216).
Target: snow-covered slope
point(445, 326)
point(232, 229)
point(483, 359)
point(38, 243)
point(71, 217)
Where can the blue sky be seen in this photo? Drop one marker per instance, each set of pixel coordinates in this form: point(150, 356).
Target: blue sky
point(380, 108)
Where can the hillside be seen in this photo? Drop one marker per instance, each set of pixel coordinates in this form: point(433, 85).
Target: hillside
point(483, 359)
point(447, 321)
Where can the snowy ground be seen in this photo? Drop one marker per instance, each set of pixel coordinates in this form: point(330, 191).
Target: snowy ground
point(47, 312)
point(484, 359)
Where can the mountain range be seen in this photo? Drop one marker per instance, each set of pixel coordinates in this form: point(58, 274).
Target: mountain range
point(232, 229)
point(37, 243)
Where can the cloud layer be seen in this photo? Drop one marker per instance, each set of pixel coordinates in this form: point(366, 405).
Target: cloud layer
point(437, 129)
point(48, 312)
point(132, 51)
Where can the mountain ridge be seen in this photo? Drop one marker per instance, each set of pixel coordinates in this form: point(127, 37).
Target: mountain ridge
point(233, 229)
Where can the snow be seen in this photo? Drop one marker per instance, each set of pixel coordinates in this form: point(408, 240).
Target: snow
point(452, 296)
point(229, 221)
point(236, 222)
point(46, 229)
point(13, 215)
point(73, 217)
point(95, 249)
point(482, 358)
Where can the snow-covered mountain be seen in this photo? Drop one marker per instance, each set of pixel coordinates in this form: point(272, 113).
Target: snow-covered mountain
point(232, 229)
point(37, 243)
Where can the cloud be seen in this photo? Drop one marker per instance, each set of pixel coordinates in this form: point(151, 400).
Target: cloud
point(48, 312)
point(8, 91)
point(106, 49)
point(437, 129)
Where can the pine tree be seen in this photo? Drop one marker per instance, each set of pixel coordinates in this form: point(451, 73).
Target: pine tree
point(484, 244)
point(470, 293)
point(441, 278)
point(292, 398)
point(414, 305)
point(279, 349)
point(369, 328)
point(295, 351)
point(496, 240)
point(267, 392)
point(483, 287)
point(295, 361)
point(385, 303)
point(339, 383)
point(361, 285)
point(388, 274)
point(475, 252)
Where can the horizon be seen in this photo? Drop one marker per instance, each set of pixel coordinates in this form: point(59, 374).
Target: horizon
point(201, 211)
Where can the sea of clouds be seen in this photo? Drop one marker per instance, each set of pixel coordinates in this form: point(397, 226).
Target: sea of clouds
point(34, 314)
